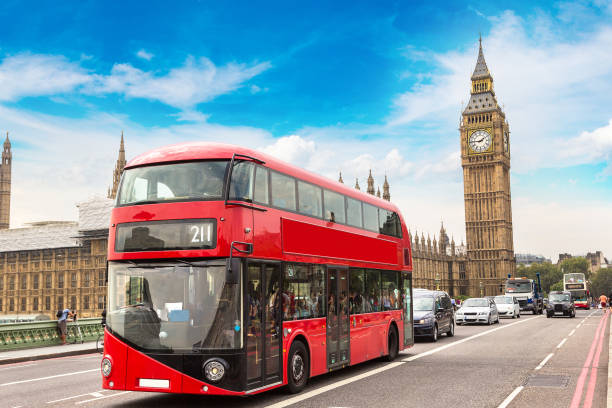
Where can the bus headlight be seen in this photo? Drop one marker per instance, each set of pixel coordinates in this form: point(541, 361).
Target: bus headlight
point(107, 366)
point(214, 370)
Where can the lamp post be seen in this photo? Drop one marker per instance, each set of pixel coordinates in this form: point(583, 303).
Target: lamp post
point(481, 289)
point(437, 280)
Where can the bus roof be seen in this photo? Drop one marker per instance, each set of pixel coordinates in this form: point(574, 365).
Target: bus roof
point(192, 151)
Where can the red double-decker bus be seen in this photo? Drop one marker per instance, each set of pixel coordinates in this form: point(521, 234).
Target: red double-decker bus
point(231, 272)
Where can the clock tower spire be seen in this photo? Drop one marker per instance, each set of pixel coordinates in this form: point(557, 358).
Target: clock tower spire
point(485, 158)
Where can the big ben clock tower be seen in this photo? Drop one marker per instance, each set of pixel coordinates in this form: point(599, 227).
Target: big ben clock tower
point(485, 158)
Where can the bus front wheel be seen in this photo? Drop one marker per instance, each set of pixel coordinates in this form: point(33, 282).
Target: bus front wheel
point(298, 367)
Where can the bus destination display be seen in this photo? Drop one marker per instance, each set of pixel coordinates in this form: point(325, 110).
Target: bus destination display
point(166, 235)
point(574, 285)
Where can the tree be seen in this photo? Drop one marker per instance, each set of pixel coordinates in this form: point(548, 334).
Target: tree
point(602, 283)
point(575, 265)
point(556, 286)
point(549, 274)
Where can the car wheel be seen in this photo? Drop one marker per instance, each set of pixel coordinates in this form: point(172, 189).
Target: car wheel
point(548, 315)
point(393, 343)
point(497, 321)
point(451, 330)
point(298, 368)
point(489, 321)
point(518, 315)
point(434, 334)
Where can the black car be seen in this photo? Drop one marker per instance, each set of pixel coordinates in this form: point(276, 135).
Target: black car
point(560, 303)
point(433, 314)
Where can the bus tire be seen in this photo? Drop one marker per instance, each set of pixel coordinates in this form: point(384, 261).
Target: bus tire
point(393, 344)
point(298, 367)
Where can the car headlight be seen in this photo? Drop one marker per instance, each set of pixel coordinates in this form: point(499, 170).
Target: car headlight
point(106, 366)
point(214, 370)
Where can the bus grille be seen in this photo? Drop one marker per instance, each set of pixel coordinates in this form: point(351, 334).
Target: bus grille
point(523, 302)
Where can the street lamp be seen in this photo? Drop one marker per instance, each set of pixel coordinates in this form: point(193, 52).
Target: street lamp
point(437, 280)
point(481, 289)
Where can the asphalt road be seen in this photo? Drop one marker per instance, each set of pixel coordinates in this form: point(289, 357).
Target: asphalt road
point(528, 362)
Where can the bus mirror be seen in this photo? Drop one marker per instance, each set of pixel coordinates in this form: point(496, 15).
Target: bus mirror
point(232, 274)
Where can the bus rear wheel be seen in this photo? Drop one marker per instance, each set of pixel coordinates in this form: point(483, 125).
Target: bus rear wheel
point(298, 367)
point(393, 344)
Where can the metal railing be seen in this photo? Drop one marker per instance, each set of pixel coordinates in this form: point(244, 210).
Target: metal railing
point(45, 333)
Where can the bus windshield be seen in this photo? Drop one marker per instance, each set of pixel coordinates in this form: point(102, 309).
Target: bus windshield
point(170, 307)
point(173, 182)
point(573, 278)
point(518, 286)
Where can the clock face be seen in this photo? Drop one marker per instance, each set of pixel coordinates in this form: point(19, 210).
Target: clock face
point(480, 141)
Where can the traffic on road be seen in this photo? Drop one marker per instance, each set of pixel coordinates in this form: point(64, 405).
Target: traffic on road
point(516, 363)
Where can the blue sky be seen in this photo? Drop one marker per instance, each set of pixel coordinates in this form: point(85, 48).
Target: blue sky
point(330, 86)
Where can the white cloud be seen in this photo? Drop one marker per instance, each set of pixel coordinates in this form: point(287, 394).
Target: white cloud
point(144, 55)
point(590, 147)
point(26, 74)
point(198, 80)
point(551, 87)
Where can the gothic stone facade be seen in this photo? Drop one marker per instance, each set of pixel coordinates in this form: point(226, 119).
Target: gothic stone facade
point(54, 265)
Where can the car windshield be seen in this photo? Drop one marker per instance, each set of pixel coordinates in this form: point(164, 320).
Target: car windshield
point(476, 302)
point(422, 304)
point(173, 182)
point(518, 286)
point(169, 307)
point(503, 300)
point(559, 297)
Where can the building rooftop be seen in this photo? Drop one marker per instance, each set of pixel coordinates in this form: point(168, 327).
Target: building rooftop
point(94, 216)
point(40, 237)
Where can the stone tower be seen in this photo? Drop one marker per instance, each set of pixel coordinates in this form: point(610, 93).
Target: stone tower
point(5, 184)
point(370, 189)
point(485, 158)
point(112, 191)
point(386, 195)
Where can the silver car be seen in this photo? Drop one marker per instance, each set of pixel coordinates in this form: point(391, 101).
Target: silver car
point(507, 306)
point(477, 310)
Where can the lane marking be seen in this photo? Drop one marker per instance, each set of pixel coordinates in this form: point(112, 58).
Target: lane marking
point(49, 377)
point(562, 343)
point(96, 394)
point(68, 398)
point(510, 397)
point(548, 357)
point(581, 379)
point(571, 333)
point(24, 365)
point(433, 351)
point(99, 398)
point(389, 366)
point(588, 399)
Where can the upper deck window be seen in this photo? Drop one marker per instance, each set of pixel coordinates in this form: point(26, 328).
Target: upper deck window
point(283, 191)
point(173, 182)
point(334, 207)
point(241, 187)
point(310, 199)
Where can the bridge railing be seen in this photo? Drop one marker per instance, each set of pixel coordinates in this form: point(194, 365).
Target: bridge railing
point(45, 333)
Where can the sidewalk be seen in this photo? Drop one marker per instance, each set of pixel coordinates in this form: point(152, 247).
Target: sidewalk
point(41, 353)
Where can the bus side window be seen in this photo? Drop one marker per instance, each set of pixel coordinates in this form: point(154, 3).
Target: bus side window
point(241, 187)
point(373, 289)
point(370, 217)
point(353, 212)
point(283, 191)
point(357, 300)
point(261, 194)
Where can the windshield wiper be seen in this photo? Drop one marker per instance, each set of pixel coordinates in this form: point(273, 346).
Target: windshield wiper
point(144, 202)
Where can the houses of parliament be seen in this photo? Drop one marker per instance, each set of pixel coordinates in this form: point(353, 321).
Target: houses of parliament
point(52, 265)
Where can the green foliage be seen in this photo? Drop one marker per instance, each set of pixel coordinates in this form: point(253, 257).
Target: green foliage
point(575, 265)
point(556, 286)
point(602, 283)
point(549, 274)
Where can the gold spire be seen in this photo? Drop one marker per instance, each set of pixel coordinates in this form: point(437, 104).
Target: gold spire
point(370, 184)
point(386, 195)
point(357, 184)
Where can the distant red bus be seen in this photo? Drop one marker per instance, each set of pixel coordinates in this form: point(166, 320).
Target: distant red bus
point(231, 272)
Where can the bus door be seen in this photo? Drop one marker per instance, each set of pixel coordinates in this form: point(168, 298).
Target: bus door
point(263, 324)
point(407, 309)
point(338, 347)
